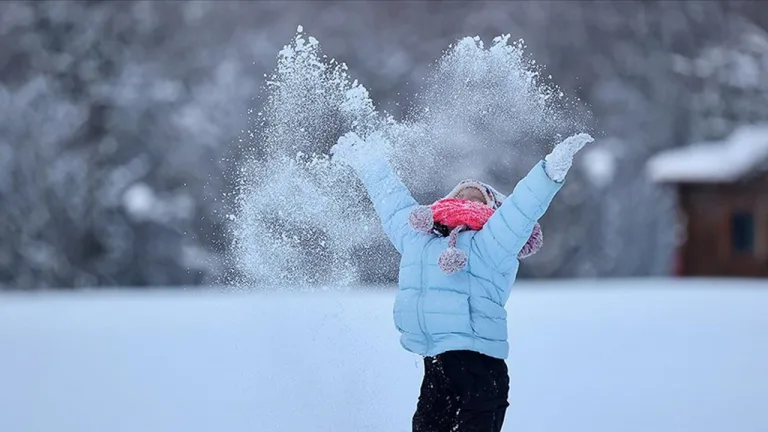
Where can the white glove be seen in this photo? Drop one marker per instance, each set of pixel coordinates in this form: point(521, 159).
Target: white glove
point(352, 150)
point(559, 161)
point(348, 150)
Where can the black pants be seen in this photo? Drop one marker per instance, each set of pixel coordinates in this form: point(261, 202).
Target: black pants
point(462, 391)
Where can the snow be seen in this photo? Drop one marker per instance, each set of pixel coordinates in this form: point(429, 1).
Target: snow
point(138, 199)
point(739, 63)
point(142, 203)
point(598, 356)
point(599, 165)
point(480, 110)
point(721, 161)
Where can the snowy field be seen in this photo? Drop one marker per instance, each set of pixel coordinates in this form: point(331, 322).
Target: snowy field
point(644, 356)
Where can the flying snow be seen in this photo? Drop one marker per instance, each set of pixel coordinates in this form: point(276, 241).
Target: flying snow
point(301, 219)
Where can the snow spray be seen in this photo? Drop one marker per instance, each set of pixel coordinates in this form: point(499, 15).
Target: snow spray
point(301, 220)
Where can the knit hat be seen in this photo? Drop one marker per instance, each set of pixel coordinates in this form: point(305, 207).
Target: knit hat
point(493, 198)
point(449, 216)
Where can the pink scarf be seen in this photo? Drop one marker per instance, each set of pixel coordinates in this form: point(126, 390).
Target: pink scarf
point(454, 212)
point(458, 215)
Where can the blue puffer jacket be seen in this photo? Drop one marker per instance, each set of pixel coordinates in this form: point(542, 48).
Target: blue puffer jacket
point(437, 312)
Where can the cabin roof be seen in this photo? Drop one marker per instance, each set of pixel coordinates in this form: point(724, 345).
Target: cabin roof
point(739, 154)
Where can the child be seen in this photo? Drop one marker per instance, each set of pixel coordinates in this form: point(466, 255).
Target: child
point(459, 259)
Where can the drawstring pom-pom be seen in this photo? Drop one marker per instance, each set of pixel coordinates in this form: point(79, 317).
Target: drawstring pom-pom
point(421, 219)
point(452, 260)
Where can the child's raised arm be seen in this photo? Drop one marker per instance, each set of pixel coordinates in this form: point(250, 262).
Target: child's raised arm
point(507, 231)
point(391, 198)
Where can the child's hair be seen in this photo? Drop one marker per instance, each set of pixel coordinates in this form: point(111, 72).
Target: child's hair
point(441, 230)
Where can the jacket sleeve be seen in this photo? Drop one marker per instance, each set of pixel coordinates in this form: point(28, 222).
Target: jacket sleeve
point(391, 200)
point(507, 231)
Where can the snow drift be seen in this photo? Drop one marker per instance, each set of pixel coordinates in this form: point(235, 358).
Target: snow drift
point(609, 356)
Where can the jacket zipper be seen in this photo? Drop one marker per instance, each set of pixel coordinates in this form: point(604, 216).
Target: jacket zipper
point(419, 305)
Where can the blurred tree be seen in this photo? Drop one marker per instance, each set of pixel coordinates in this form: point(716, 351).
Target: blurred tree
point(120, 119)
point(110, 144)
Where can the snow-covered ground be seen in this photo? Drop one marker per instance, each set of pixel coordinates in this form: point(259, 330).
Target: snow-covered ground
point(609, 356)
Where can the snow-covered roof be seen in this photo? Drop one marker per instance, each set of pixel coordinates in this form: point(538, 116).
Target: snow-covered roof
point(713, 162)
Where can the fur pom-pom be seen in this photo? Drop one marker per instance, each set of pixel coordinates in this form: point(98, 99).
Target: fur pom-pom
point(452, 260)
point(534, 243)
point(421, 219)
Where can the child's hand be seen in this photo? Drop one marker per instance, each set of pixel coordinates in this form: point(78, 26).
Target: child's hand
point(347, 149)
point(559, 161)
point(352, 150)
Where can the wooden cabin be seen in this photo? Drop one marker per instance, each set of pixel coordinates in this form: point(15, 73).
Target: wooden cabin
point(722, 192)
